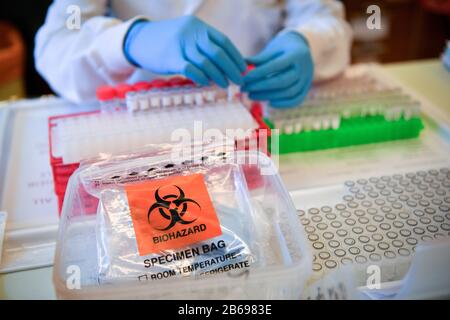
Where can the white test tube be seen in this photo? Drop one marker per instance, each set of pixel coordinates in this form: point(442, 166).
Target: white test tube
point(210, 95)
point(316, 123)
point(220, 94)
point(326, 122)
point(388, 114)
point(233, 90)
point(198, 98)
point(288, 127)
point(132, 102)
point(144, 103)
point(398, 111)
point(155, 101)
point(177, 99)
point(166, 99)
point(188, 98)
point(107, 97)
point(411, 110)
point(306, 123)
point(298, 126)
point(335, 122)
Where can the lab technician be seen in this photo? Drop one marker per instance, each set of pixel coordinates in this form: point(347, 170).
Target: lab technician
point(289, 42)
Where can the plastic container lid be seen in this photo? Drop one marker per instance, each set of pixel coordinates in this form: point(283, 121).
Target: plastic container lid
point(105, 93)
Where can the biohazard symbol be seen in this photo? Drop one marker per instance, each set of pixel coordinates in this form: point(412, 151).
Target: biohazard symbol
point(172, 208)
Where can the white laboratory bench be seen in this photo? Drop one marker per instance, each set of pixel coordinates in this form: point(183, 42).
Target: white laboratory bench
point(428, 77)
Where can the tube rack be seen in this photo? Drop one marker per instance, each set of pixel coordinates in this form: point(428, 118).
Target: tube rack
point(352, 110)
point(82, 136)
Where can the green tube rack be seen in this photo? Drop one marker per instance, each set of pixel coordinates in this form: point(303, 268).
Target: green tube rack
point(352, 131)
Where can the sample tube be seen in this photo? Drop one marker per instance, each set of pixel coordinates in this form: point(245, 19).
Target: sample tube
point(142, 96)
point(106, 95)
point(122, 90)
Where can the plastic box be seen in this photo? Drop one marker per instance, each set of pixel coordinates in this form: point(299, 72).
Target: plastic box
point(282, 277)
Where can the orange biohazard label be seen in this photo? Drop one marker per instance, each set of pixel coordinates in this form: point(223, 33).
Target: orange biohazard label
point(171, 213)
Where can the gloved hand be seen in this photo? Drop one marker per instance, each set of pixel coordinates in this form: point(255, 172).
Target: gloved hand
point(283, 71)
point(185, 45)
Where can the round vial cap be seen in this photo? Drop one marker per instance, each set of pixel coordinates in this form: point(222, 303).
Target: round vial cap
point(176, 81)
point(159, 83)
point(250, 67)
point(122, 90)
point(105, 93)
point(142, 86)
point(188, 82)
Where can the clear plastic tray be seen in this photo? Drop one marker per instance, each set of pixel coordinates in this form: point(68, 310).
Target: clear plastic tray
point(287, 260)
point(316, 180)
point(26, 184)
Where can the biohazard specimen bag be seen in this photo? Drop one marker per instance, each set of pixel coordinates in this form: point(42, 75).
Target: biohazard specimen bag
point(182, 223)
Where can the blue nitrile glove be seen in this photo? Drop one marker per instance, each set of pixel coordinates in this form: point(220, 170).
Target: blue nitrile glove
point(184, 45)
point(283, 71)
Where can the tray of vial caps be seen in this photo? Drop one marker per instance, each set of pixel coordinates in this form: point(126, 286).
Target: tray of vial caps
point(153, 112)
point(357, 108)
point(189, 227)
point(376, 221)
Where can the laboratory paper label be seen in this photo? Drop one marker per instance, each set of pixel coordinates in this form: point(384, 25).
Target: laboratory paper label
point(171, 213)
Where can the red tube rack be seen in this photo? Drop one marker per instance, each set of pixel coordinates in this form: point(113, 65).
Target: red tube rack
point(63, 171)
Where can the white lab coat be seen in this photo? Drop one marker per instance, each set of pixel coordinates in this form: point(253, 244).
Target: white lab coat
point(76, 61)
